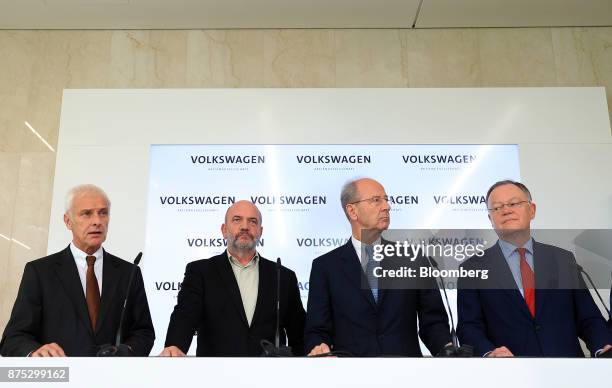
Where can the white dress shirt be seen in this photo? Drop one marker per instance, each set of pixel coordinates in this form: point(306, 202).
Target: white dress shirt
point(357, 245)
point(247, 277)
point(81, 263)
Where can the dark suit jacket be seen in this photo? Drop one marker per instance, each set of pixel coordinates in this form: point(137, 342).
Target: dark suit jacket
point(610, 318)
point(209, 302)
point(343, 314)
point(495, 314)
point(51, 307)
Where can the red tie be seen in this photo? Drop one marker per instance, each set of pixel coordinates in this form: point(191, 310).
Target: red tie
point(92, 292)
point(528, 282)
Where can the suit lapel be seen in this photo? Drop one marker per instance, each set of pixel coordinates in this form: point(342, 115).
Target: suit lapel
point(383, 283)
point(545, 269)
point(66, 271)
point(229, 281)
point(353, 271)
point(382, 292)
point(506, 281)
point(110, 282)
point(266, 290)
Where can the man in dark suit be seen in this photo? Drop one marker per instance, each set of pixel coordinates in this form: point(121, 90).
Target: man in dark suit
point(534, 302)
point(230, 299)
point(59, 310)
point(348, 311)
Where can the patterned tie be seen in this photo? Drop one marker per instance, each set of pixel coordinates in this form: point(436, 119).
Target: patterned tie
point(370, 266)
point(92, 292)
point(528, 282)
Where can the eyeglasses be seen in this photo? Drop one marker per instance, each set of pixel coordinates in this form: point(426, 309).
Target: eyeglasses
point(376, 200)
point(511, 205)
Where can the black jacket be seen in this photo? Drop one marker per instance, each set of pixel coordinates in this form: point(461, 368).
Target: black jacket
point(209, 302)
point(51, 307)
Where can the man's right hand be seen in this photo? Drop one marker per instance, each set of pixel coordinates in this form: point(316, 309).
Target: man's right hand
point(319, 349)
point(49, 350)
point(501, 352)
point(172, 351)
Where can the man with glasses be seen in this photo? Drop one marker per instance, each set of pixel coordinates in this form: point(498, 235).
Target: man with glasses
point(525, 308)
point(347, 310)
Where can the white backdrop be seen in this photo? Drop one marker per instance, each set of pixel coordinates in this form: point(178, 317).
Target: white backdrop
point(563, 134)
point(297, 189)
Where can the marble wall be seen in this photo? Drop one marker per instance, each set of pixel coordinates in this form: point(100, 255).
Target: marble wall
point(35, 66)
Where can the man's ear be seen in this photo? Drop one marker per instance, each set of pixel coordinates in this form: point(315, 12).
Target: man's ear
point(350, 211)
point(223, 230)
point(67, 221)
point(532, 210)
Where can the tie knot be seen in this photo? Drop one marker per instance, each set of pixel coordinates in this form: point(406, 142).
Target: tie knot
point(369, 250)
point(521, 252)
point(90, 260)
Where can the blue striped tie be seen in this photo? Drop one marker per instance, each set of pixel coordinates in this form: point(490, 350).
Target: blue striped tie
point(370, 266)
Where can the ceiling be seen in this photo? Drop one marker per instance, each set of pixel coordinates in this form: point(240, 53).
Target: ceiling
point(226, 14)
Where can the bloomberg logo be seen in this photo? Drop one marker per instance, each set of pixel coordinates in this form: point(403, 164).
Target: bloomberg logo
point(459, 199)
point(228, 159)
point(203, 242)
point(334, 159)
point(439, 159)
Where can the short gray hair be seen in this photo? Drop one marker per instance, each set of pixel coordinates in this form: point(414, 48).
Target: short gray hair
point(80, 190)
point(520, 185)
point(349, 194)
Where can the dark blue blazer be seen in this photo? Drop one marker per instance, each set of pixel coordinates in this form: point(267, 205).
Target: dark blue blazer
point(344, 315)
point(610, 317)
point(493, 313)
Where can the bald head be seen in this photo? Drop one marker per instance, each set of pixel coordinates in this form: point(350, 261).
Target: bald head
point(351, 191)
point(366, 183)
point(366, 206)
point(243, 206)
point(242, 229)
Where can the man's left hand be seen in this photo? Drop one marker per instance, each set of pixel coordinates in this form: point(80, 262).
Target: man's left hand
point(605, 349)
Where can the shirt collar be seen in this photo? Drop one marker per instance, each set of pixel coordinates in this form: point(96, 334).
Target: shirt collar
point(234, 261)
point(508, 248)
point(357, 245)
point(80, 256)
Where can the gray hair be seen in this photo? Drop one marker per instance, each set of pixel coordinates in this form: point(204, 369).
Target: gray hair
point(349, 194)
point(80, 190)
point(520, 185)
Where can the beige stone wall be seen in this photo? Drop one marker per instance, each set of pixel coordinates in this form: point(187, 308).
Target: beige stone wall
point(36, 65)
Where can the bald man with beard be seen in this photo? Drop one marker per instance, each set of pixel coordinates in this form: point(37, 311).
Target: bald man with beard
point(230, 299)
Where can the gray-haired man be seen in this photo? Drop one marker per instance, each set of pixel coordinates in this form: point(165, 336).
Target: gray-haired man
point(70, 303)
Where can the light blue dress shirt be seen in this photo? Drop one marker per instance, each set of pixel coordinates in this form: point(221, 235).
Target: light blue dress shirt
point(514, 260)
